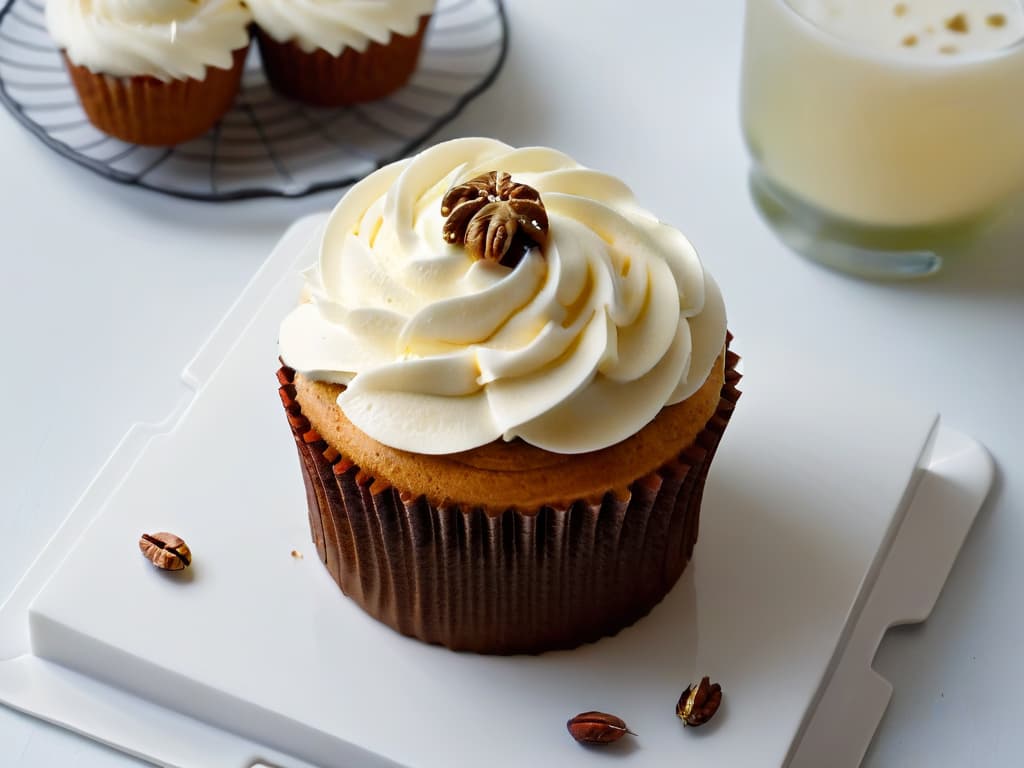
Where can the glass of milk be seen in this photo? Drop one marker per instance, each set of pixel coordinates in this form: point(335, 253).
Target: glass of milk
point(881, 130)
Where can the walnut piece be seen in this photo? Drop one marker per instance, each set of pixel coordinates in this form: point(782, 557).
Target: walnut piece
point(495, 218)
point(699, 702)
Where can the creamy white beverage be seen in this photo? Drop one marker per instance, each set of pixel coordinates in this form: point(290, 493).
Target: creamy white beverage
point(919, 29)
point(894, 114)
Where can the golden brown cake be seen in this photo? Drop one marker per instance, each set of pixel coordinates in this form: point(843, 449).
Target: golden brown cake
point(340, 52)
point(148, 111)
point(152, 73)
point(496, 422)
point(500, 475)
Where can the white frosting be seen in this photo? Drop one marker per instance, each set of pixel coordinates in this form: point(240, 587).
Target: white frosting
point(334, 25)
point(573, 350)
point(166, 39)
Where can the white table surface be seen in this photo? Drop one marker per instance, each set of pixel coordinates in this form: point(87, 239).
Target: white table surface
point(107, 291)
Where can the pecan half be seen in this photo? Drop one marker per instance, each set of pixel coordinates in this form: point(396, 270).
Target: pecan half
point(699, 702)
point(495, 218)
point(166, 551)
point(597, 728)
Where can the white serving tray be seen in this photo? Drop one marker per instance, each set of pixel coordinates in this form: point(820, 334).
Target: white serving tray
point(832, 512)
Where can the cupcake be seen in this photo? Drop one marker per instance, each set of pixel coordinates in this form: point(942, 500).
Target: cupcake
point(154, 72)
point(506, 384)
point(336, 52)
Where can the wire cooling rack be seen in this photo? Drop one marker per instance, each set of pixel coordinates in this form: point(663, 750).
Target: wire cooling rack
point(266, 145)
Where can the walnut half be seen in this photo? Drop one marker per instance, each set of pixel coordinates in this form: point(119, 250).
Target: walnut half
point(495, 218)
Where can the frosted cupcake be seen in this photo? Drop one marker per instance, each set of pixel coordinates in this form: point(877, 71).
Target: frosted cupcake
point(338, 52)
point(156, 72)
point(506, 388)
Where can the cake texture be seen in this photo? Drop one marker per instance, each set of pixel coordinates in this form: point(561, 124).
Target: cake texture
point(506, 384)
point(338, 52)
point(152, 73)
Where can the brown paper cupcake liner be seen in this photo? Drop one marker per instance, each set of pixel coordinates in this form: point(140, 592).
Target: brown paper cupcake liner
point(148, 111)
point(523, 581)
point(352, 77)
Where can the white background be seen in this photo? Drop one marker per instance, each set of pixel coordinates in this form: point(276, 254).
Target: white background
point(107, 291)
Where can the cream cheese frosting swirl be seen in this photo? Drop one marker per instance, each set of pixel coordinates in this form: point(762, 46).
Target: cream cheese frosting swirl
point(575, 349)
point(334, 25)
point(166, 39)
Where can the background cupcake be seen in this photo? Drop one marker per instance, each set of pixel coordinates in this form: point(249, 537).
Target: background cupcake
point(156, 72)
point(506, 390)
point(337, 52)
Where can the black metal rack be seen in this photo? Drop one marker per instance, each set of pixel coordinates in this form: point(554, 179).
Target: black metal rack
point(266, 146)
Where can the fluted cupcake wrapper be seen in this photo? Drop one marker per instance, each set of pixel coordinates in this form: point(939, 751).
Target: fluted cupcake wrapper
point(352, 77)
point(523, 581)
point(148, 111)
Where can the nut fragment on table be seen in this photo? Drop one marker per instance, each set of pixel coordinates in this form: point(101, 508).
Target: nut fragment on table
point(165, 550)
point(699, 702)
point(597, 728)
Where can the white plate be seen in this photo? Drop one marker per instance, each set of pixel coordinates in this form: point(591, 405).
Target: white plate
point(819, 530)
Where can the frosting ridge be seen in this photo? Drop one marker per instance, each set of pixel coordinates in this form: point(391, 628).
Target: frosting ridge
point(333, 25)
point(576, 348)
point(166, 39)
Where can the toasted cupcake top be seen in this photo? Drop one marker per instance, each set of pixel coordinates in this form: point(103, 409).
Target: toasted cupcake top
point(166, 39)
point(476, 292)
point(334, 25)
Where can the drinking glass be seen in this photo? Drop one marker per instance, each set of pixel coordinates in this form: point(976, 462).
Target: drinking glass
point(881, 131)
